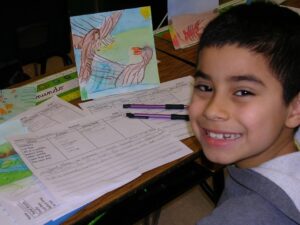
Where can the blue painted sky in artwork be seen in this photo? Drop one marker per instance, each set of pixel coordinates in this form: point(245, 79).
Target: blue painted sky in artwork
point(130, 19)
point(177, 7)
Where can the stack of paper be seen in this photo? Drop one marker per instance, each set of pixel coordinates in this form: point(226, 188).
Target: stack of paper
point(27, 200)
point(177, 91)
point(72, 155)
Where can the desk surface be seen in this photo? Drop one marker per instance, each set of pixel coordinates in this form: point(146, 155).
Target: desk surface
point(187, 55)
point(293, 3)
point(169, 68)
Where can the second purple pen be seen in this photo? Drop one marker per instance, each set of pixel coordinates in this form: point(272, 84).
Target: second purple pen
point(146, 106)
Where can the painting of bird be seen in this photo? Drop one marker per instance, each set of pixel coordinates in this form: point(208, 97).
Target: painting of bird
point(92, 41)
point(114, 50)
point(113, 74)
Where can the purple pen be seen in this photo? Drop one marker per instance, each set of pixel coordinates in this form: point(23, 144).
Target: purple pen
point(146, 106)
point(157, 116)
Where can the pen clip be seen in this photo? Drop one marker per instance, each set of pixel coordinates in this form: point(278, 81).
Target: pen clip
point(157, 116)
point(180, 117)
point(131, 115)
point(175, 106)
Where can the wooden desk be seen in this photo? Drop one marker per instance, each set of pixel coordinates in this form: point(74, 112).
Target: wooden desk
point(292, 3)
point(187, 55)
point(169, 68)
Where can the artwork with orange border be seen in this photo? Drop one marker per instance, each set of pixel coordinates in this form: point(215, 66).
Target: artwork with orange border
point(187, 19)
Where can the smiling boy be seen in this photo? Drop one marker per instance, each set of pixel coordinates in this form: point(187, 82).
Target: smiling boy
point(245, 110)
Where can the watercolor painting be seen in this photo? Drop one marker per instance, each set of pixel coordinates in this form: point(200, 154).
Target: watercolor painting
point(187, 19)
point(12, 168)
point(16, 100)
point(114, 52)
point(297, 138)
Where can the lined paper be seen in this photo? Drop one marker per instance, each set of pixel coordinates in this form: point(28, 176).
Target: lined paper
point(90, 156)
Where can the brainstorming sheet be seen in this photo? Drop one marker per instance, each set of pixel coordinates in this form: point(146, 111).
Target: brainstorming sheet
point(177, 91)
point(27, 201)
point(85, 158)
point(49, 113)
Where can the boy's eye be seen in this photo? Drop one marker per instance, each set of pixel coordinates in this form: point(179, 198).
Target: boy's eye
point(203, 87)
point(243, 93)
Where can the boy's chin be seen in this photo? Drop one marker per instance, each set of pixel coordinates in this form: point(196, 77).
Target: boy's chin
point(217, 158)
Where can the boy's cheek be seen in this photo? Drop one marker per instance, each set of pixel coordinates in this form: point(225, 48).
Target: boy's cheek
point(193, 114)
point(195, 107)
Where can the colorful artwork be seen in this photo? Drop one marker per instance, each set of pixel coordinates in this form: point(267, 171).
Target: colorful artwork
point(114, 52)
point(12, 167)
point(227, 5)
point(297, 138)
point(163, 33)
point(63, 84)
point(16, 100)
point(187, 20)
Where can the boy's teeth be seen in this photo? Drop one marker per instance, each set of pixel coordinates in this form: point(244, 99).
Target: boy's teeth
point(223, 136)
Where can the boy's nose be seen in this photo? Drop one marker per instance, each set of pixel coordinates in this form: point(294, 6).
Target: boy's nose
point(216, 109)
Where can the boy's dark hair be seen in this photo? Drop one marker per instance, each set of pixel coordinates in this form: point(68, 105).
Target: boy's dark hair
point(264, 28)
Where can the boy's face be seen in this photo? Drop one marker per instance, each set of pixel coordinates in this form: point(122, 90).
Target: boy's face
point(237, 110)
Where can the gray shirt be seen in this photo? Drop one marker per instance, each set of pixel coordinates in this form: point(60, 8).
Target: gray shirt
point(250, 198)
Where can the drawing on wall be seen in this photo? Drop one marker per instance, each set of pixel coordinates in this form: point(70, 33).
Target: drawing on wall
point(187, 19)
point(114, 52)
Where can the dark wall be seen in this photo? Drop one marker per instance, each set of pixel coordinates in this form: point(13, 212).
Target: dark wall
point(158, 7)
point(31, 32)
point(50, 20)
point(34, 28)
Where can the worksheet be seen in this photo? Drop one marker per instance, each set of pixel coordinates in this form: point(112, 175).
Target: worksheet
point(177, 91)
point(25, 197)
point(28, 202)
point(84, 159)
point(49, 113)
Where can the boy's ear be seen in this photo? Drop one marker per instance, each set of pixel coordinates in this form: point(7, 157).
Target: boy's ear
point(293, 119)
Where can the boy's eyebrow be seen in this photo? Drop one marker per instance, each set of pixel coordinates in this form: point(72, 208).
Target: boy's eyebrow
point(235, 78)
point(246, 77)
point(201, 74)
